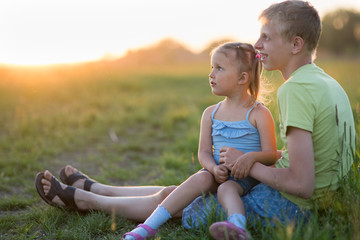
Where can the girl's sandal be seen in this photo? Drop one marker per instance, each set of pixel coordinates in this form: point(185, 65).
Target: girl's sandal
point(151, 232)
point(227, 230)
point(69, 180)
point(66, 195)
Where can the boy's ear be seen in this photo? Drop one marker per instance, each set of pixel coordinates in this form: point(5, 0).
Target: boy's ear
point(243, 78)
point(298, 44)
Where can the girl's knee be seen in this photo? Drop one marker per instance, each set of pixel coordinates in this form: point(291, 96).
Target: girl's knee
point(203, 179)
point(228, 186)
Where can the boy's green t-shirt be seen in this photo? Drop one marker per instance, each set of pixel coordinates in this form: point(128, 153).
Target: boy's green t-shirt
point(313, 101)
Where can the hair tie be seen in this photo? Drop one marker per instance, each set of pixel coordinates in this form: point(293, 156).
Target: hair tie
point(257, 56)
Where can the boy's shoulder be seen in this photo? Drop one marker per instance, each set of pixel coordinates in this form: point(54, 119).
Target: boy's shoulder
point(309, 76)
point(304, 72)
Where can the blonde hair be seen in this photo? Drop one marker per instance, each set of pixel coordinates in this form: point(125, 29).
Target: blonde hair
point(249, 61)
point(296, 18)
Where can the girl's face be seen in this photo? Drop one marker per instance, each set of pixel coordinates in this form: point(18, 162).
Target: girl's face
point(224, 73)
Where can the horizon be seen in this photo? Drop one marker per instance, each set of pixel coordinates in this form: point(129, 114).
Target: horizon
point(110, 57)
point(46, 32)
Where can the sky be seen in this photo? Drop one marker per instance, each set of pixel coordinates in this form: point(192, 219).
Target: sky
point(37, 32)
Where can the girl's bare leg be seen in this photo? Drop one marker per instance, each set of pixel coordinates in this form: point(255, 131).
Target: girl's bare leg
point(199, 183)
point(229, 194)
point(108, 190)
point(132, 208)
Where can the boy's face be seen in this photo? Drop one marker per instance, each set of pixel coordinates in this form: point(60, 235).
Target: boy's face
point(274, 50)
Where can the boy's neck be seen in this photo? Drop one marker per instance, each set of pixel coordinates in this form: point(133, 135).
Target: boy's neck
point(294, 65)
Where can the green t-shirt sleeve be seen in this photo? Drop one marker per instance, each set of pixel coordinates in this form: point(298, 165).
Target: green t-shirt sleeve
point(296, 108)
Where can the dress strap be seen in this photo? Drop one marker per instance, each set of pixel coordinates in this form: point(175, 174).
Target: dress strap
point(248, 113)
point(216, 108)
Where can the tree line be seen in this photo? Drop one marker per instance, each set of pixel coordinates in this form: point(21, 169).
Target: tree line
point(341, 32)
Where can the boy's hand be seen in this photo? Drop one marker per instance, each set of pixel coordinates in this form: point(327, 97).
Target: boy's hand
point(228, 156)
point(221, 173)
point(241, 167)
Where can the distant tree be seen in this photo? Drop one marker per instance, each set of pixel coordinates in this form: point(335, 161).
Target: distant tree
point(341, 32)
point(213, 45)
point(166, 51)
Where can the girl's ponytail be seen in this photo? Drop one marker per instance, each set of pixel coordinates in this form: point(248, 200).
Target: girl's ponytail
point(256, 70)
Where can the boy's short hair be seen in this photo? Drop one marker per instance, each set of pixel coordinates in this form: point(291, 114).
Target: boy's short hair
point(296, 18)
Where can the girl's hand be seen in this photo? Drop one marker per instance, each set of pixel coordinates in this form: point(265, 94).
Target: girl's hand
point(242, 166)
point(228, 156)
point(221, 173)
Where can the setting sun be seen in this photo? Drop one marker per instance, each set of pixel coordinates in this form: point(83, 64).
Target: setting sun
point(47, 31)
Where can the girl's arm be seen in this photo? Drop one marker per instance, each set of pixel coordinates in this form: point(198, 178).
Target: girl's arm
point(262, 119)
point(205, 153)
point(299, 178)
point(264, 122)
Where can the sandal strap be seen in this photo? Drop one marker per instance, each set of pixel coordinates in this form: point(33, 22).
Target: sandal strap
point(69, 180)
point(135, 235)
point(66, 195)
point(151, 232)
point(87, 184)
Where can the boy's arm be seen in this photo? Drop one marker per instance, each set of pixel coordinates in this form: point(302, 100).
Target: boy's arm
point(299, 178)
point(240, 168)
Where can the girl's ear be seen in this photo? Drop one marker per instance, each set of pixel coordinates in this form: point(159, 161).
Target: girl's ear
point(298, 44)
point(243, 78)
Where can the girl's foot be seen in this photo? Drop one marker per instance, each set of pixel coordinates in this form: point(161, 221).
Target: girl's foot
point(135, 236)
point(227, 230)
point(73, 177)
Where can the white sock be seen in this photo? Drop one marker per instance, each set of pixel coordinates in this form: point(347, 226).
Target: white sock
point(156, 219)
point(238, 220)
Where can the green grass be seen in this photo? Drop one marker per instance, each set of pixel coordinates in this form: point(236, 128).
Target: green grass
point(128, 128)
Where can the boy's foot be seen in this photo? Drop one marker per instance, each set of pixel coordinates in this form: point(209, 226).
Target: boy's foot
point(73, 177)
point(227, 230)
point(55, 193)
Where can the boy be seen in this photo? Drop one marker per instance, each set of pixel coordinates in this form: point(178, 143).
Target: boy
point(316, 125)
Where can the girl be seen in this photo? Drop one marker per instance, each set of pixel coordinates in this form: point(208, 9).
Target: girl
point(237, 122)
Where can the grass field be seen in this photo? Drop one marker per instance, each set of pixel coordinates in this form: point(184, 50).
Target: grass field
point(128, 127)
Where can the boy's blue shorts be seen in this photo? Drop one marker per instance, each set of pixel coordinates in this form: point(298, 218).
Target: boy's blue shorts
point(262, 203)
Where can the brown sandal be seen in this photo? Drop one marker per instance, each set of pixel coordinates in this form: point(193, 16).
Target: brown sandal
point(69, 180)
point(66, 195)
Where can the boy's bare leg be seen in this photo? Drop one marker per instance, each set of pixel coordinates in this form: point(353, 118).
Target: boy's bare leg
point(108, 190)
point(133, 208)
